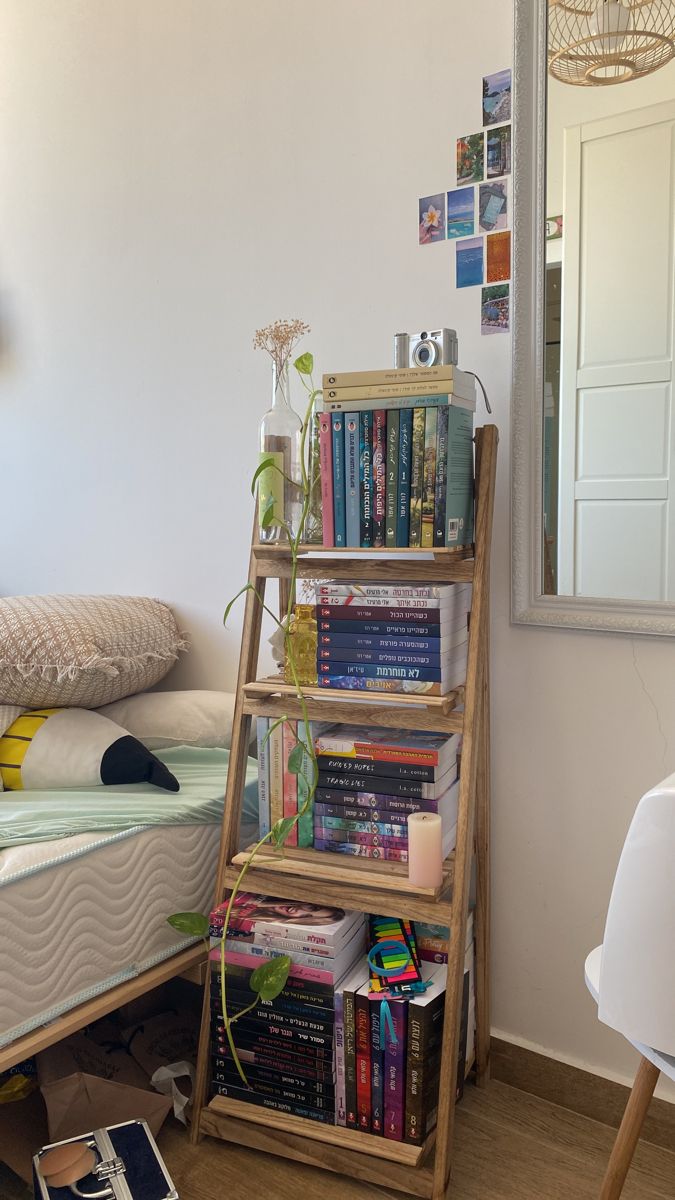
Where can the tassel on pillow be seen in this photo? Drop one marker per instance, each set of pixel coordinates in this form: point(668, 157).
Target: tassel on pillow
point(72, 747)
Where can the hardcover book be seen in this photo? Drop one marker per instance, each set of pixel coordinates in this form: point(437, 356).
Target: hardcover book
point(348, 989)
point(339, 528)
point(417, 476)
point(429, 477)
point(391, 491)
point(440, 483)
point(382, 628)
point(415, 645)
point(384, 391)
point(352, 500)
point(326, 469)
point(392, 745)
point(379, 475)
point(366, 478)
point(404, 466)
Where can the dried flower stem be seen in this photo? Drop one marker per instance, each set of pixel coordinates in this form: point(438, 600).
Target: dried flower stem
point(279, 340)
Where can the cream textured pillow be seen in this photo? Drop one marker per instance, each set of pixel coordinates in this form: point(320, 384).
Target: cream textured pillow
point(83, 651)
point(163, 719)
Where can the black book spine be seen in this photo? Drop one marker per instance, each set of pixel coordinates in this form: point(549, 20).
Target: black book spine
point(296, 1110)
point(276, 1033)
point(272, 1087)
point(413, 789)
point(370, 800)
point(349, 1023)
point(381, 770)
point(294, 987)
point(286, 1058)
point(294, 1067)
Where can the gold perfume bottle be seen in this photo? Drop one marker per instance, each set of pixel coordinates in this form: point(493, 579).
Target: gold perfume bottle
point(303, 640)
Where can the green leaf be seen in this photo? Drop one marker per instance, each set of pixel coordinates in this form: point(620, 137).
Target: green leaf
point(233, 601)
point(281, 830)
point(304, 365)
point(262, 466)
point(267, 517)
point(270, 979)
point(190, 923)
point(295, 760)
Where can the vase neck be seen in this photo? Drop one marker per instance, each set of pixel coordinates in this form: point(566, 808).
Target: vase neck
point(280, 386)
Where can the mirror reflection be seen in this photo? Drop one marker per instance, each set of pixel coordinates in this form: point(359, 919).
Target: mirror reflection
point(609, 434)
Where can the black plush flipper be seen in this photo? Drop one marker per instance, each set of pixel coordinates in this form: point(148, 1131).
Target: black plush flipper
point(128, 761)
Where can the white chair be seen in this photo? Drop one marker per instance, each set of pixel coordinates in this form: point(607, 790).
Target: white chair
point(632, 975)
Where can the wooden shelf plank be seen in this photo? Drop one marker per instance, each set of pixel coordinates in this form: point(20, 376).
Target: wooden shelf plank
point(289, 880)
point(273, 685)
point(429, 570)
point(336, 868)
point(282, 550)
point(333, 1135)
point(383, 716)
point(99, 1006)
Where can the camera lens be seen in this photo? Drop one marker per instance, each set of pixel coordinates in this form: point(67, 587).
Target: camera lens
point(424, 336)
point(424, 355)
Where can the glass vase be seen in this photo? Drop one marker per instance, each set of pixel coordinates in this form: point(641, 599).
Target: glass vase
point(303, 644)
point(313, 531)
point(280, 486)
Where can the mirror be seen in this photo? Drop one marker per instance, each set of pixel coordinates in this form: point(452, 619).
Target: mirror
point(593, 427)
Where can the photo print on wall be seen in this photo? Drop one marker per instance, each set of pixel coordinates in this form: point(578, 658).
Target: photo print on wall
point(492, 206)
point(497, 98)
point(461, 212)
point(470, 158)
point(495, 309)
point(498, 151)
point(498, 257)
point(469, 263)
point(432, 219)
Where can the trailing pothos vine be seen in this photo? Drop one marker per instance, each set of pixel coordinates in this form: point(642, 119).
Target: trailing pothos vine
point(269, 979)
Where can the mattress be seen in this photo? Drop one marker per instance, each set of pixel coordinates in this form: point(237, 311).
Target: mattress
point(81, 914)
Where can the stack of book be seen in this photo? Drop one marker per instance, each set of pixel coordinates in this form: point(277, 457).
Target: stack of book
point(394, 637)
point(389, 1088)
point(396, 452)
point(370, 780)
point(286, 1045)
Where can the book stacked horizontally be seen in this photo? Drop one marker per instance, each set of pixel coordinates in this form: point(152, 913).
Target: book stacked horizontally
point(396, 451)
point(286, 1044)
point(371, 780)
point(394, 637)
point(390, 1087)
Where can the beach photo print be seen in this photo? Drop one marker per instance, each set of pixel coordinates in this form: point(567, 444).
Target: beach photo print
point(461, 212)
point(432, 219)
point(469, 263)
point(470, 158)
point(497, 98)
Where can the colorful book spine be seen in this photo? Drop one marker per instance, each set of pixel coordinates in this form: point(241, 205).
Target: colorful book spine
point(459, 479)
point(349, 1023)
point(389, 593)
point(397, 829)
point(366, 767)
point(319, 994)
point(340, 1095)
point(346, 641)
point(429, 477)
point(363, 812)
point(300, 1066)
point(356, 683)
point(376, 1069)
point(381, 671)
point(279, 1105)
point(395, 1073)
point(404, 467)
point(304, 783)
point(326, 468)
point(366, 478)
point(376, 608)
point(391, 488)
point(278, 1083)
point(383, 628)
point(310, 973)
point(379, 475)
point(353, 654)
point(368, 840)
point(352, 502)
point(386, 855)
point(276, 760)
point(338, 438)
point(423, 749)
point(290, 781)
point(262, 727)
point(441, 480)
point(376, 800)
point(417, 477)
point(362, 1023)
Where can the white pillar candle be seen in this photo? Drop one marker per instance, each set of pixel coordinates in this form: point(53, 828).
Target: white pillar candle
point(425, 849)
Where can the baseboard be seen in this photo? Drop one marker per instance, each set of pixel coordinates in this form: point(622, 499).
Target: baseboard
point(581, 1091)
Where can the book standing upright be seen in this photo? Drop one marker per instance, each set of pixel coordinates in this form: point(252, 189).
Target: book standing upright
point(366, 885)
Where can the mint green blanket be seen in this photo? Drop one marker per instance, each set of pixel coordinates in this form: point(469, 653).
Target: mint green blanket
point(41, 816)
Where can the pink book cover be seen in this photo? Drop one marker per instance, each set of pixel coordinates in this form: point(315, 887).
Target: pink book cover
point(290, 781)
point(310, 974)
point(326, 465)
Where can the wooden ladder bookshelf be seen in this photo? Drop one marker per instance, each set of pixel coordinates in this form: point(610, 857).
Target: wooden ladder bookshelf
point(365, 884)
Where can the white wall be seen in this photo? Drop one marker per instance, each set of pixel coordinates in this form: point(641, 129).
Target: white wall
point(173, 175)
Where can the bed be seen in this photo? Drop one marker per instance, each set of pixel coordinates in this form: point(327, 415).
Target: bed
point(83, 916)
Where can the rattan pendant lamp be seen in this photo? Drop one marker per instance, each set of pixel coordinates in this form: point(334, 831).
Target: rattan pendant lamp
point(593, 43)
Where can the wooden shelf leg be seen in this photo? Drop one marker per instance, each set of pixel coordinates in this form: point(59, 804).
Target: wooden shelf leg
point(629, 1131)
point(482, 913)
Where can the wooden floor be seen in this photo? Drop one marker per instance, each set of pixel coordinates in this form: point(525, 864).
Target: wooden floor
point(510, 1146)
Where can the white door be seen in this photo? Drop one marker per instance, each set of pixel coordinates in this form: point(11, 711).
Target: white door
point(616, 520)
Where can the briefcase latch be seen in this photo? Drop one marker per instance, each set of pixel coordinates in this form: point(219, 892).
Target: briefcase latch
point(109, 1168)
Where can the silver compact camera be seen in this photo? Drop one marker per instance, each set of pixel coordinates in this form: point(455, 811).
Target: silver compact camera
point(436, 348)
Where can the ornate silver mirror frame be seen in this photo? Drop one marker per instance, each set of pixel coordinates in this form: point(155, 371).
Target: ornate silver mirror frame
point(528, 604)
